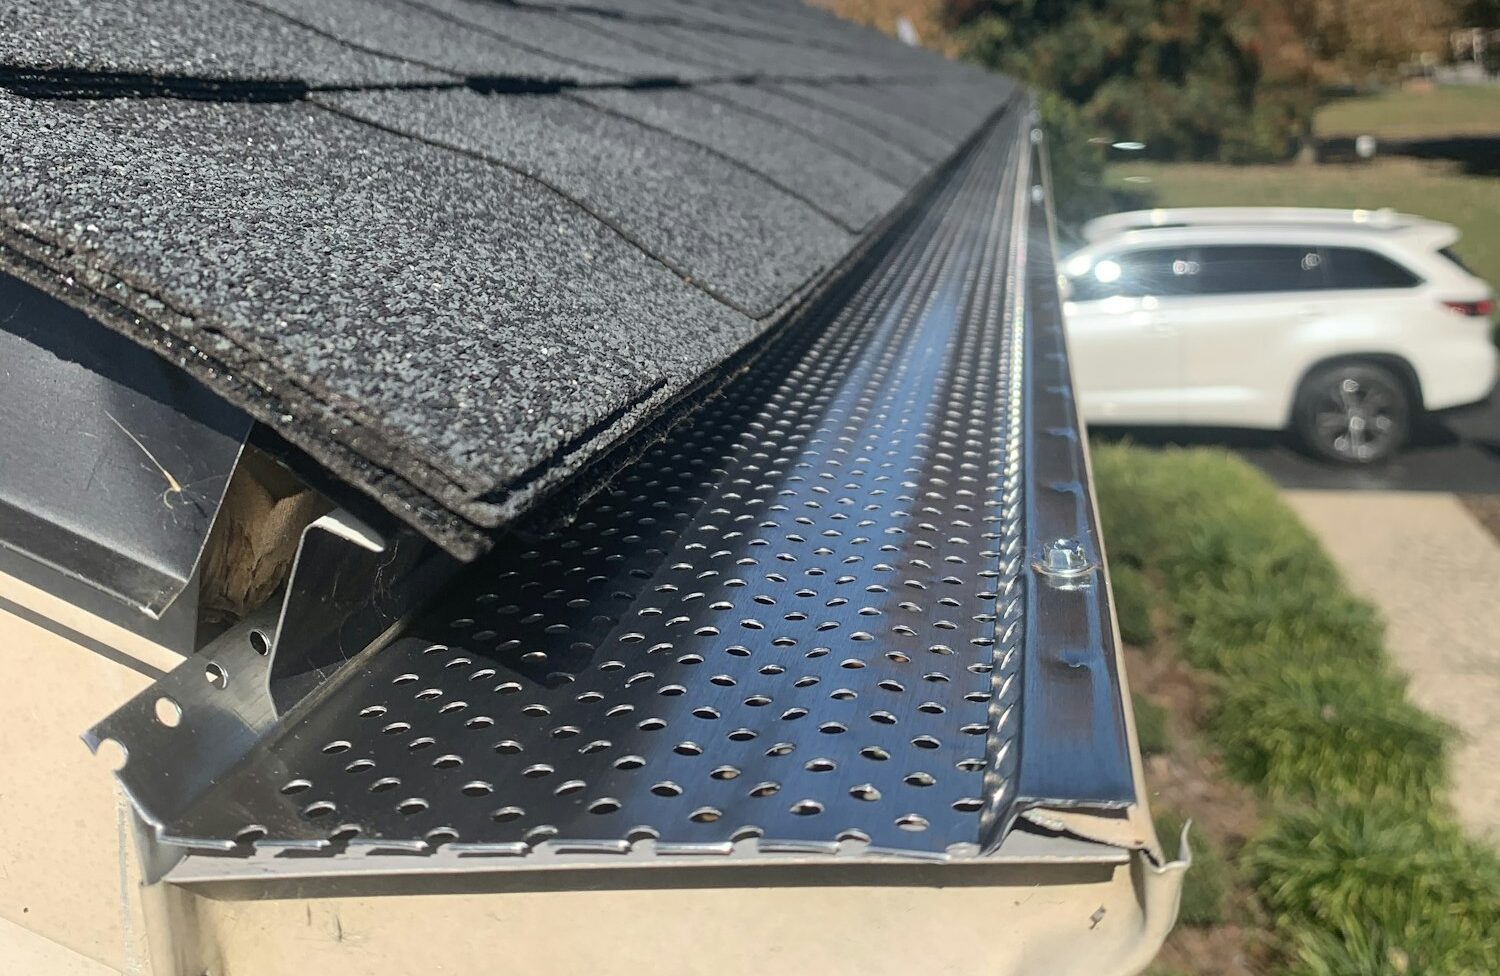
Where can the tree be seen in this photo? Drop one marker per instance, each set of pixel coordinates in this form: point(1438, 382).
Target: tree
point(1354, 41)
point(1186, 77)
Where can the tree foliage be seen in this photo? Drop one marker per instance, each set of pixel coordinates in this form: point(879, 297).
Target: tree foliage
point(1186, 77)
point(1224, 80)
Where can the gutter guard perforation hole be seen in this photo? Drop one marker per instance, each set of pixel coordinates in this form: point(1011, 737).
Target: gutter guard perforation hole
point(318, 809)
point(168, 712)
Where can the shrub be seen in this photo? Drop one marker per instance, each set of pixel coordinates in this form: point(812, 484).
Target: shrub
point(1205, 887)
point(1328, 731)
point(1378, 888)
point(1269, 624)
point(1134, 602)
point(1361, 865)
point(1150, 726)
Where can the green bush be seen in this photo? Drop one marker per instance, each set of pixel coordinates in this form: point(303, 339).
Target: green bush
point(1133, 603)
point(1361, 865)
point(1150, 726)
point(1205, 887)
point(1330, 731)
point(1261, 625)
point(1378, 888)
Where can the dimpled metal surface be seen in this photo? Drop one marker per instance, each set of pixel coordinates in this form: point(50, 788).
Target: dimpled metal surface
point(776, 630)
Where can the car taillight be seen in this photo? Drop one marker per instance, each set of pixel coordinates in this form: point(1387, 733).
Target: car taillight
point(1473, 309)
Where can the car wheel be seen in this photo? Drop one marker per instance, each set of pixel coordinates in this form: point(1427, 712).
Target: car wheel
point(1354, 413)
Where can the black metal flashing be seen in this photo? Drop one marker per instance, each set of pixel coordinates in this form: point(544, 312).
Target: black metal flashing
point(113, 464)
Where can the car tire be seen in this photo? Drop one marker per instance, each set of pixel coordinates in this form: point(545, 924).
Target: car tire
point(1353, 413)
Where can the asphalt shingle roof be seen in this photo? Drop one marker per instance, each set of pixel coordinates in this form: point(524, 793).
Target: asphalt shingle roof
point(455, 249)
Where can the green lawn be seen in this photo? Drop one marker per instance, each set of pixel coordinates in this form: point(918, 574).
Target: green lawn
point(1429, 189)
point(1409, 114)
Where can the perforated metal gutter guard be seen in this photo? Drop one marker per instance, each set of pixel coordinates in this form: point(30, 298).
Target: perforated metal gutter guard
point(853, 607)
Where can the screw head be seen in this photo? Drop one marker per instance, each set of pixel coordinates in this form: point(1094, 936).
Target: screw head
point(1063, 558)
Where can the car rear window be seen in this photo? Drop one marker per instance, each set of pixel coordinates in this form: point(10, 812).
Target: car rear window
point(1452, 256)
point(1354, 267)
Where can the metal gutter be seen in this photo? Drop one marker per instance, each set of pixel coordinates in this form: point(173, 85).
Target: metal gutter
point(827, 617)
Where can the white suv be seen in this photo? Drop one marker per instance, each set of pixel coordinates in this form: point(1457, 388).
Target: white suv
point(1342, 325)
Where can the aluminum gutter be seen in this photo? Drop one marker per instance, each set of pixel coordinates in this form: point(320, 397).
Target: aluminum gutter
point(819, 618)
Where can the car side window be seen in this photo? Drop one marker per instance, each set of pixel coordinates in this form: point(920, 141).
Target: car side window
point(1355, 267)
point(1248, 269)
point(1150, 272)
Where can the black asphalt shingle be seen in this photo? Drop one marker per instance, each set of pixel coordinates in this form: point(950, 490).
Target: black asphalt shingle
point(849, 139)
point(470, 315)
point(712, 220)
point(854, 196)
point(455, 249)
point(914, 135)
point(577, 37)
point(750, 55)
point(408, 31)
point(210, 39)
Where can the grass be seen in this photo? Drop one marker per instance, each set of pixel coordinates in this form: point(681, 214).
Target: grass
point(1430, 189)
point(1414, 114)
point(1359, 864)
point(1377, 888)
point(1329, 731)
